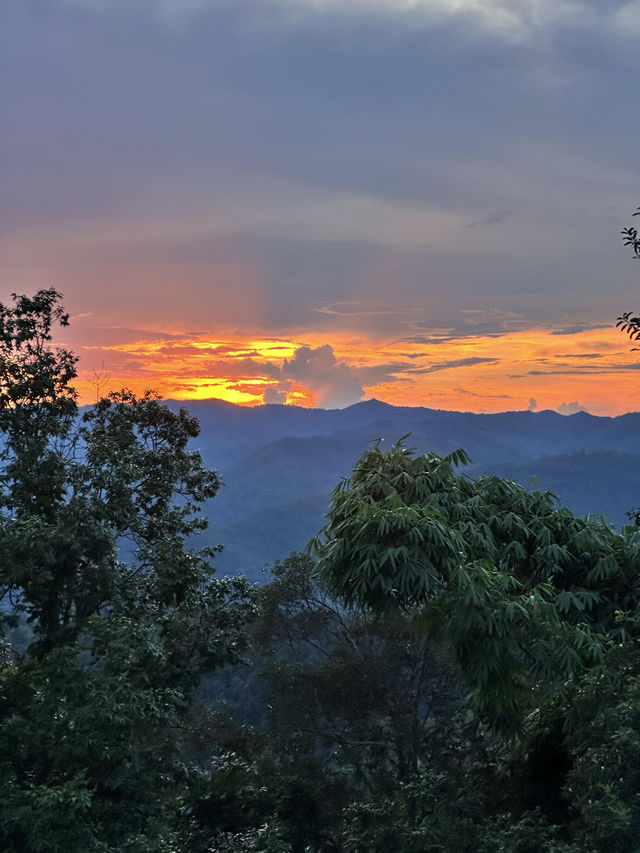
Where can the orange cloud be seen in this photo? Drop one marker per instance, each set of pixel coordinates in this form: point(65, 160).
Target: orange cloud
point(497, 372)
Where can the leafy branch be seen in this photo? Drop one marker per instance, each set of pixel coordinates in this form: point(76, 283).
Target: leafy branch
point(627, 322)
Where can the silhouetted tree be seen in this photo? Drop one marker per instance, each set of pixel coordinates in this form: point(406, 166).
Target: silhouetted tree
point(94, 517)
point(628, 322)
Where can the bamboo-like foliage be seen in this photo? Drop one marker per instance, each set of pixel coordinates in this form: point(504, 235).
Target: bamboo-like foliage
point(516, 587)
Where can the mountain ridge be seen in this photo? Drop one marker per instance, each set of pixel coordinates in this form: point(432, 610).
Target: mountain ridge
point(279, 463)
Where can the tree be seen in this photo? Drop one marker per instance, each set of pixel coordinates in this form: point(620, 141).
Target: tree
point(95, 733)
point(627, 322)
point(539, 611)
point(356, 711)
point(630, 237)
point(366, 742)
point(509, 580)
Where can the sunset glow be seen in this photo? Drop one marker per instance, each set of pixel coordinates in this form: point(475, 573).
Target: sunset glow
point(314, 203)
point(537, 369)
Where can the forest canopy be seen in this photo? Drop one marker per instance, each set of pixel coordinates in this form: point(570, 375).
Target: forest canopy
point(456, 667)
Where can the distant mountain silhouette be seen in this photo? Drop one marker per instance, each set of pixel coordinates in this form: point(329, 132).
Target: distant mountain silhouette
point(279, 463)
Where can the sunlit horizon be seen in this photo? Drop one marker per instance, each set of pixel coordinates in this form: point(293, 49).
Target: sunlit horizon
point(253, 202)
point(591, 370)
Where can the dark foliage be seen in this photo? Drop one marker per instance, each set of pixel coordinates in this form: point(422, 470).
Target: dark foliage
point(95, 732)
point(628, 322)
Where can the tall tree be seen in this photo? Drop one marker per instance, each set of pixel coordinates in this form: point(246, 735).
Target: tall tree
point(538, 609)
point(509, 580)
point(94, 719)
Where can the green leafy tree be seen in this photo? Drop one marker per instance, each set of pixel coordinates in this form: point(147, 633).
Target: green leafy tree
point(509, 582)
point(603, 728)
point(96, 736)
point(365, 688)
point(366, 742)
point(359, 718)
point(525, 600)
point(628, 322)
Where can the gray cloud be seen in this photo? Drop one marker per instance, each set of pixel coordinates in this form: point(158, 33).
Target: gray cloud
point(581, 370)
point(272, 396)
point(486, 396)
point(356, 309)
point(575, 329)
point(487, 321)
point(334, 383)
point(510, 20)
point(458, 362)
point(491, 219)
point(580, 355)
point(570, 408)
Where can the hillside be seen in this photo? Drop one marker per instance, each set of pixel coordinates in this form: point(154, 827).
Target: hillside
point(279, 464)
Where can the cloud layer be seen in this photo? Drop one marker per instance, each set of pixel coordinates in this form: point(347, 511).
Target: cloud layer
point(397, 175)
point(513, 371)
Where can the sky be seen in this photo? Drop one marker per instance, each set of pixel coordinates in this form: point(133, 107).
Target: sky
point(322, 201)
